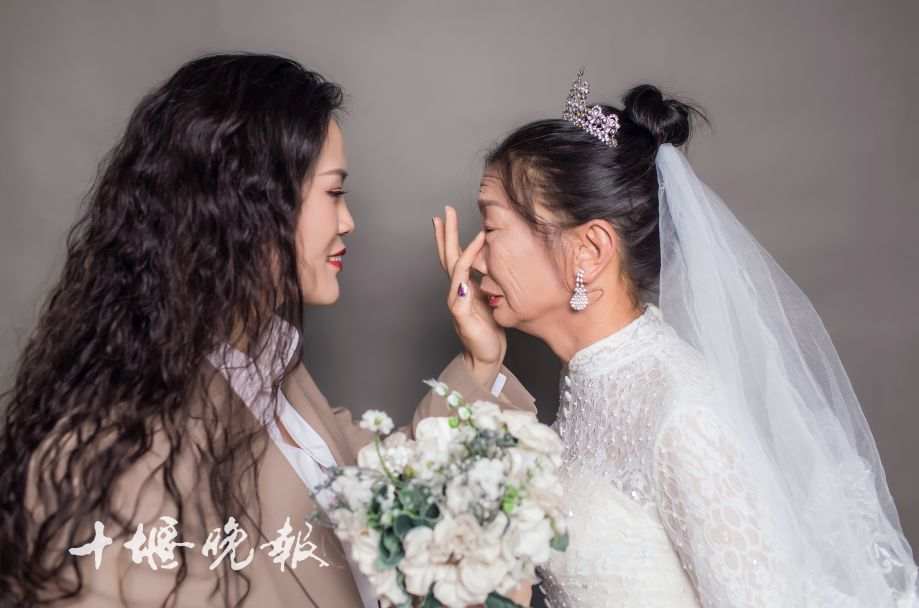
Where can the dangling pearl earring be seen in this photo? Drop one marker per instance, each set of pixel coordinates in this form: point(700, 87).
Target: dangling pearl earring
point(579, 299)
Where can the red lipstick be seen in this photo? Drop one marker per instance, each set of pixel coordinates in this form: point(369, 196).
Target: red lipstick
point(336, 259)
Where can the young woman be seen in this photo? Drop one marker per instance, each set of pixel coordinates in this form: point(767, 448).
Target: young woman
point(716, 454)
point(162, 436)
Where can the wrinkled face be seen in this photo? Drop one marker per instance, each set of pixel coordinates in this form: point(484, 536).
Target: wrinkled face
point(522, 275)
point(323, 222)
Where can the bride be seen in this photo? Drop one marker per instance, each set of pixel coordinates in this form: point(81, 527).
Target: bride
point(715, 452)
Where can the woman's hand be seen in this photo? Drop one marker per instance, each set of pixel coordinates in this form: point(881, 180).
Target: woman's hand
point(484, 341)
point(521, 595)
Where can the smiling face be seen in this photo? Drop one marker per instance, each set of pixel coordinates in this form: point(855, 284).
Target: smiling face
point(323, 221)
point(522, 273)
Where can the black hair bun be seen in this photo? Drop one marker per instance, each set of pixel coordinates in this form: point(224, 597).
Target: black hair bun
point(669, 121)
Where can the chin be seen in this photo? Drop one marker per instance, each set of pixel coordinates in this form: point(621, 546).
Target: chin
point(326, 296)
point(505, 320)
point(330, 298)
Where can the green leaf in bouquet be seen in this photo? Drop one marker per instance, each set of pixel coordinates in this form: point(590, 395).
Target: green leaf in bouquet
point(391, 552)
point(431, 514)
point(496, 600)
point(430, 601)
point(404, 523)
point(412, 498)
point(511, 499)
point(506, 440)
point(559, 542)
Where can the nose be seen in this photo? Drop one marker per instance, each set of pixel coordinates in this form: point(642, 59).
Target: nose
point(345, 220)
point(479, 262)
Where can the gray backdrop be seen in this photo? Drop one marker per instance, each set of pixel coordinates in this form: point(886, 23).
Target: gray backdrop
point(812, 146)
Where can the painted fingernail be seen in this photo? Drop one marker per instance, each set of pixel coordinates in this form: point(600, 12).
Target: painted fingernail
point(462, 291)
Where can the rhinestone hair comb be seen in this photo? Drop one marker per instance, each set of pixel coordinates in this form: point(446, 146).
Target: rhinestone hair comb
point(590, 118)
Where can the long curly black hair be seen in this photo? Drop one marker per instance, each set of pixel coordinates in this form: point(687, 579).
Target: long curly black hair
point(187, 241)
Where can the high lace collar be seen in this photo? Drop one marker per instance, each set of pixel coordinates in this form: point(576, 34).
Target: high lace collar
point(609, 347)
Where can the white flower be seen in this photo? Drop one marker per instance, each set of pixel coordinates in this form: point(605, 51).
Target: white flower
point(478, 550)
point(459, 495)
point(429, 459)
point(534, 435)
point(545, 490)
point(347, 522)
point(454, 399)
point(386, 584)
point(521, 571)
point(516, 419)
point(398, 450)
point(530, 533)
point(485, 415)
point(437, 429)
point(376, 421)
point(356, 490)
point(488, 474)
point(365, 548)
point(481, 577)
point(418, 566)
point(368, 457)
point(388, 498)
point(464, 413)
point(450, 591)
point(439, 388)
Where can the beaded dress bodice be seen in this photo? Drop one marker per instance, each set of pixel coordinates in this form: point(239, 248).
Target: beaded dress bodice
point(658, 514)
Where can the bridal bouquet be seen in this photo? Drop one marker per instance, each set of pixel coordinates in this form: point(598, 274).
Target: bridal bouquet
point(460, 515)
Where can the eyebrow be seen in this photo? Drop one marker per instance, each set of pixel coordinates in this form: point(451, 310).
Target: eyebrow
point(341, 172)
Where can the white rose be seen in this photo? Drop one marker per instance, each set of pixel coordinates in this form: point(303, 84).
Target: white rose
point(386, 584)
point(516, 419)
point(418, 566)
point(435, 429)
point(481, 577)
point(365, 549)
point(369, 458)
point(481, 565)
point(539, 438)
point(450, 592)
point(485, 415)
point(530, 533)
point(521, 571)
point(545, 490)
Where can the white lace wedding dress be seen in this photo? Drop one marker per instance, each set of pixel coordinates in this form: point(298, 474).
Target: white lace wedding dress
point(721, 458)
point(661, 513)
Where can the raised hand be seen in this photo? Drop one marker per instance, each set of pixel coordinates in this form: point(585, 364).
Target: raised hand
point(484, 341)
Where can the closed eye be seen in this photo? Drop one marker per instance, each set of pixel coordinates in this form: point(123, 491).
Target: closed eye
point(338, 193)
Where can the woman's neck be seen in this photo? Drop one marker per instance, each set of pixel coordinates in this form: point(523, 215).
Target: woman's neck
point(575, 330)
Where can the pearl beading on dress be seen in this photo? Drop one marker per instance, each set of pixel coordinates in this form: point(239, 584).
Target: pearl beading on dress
point(637, 434)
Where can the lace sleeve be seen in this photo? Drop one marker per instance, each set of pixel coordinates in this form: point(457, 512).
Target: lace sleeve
point(714, 515)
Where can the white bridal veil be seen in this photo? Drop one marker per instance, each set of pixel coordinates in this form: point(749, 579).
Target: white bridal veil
point(786, 392)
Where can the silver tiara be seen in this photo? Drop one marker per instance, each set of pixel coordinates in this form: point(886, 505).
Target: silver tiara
point(591, 119)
